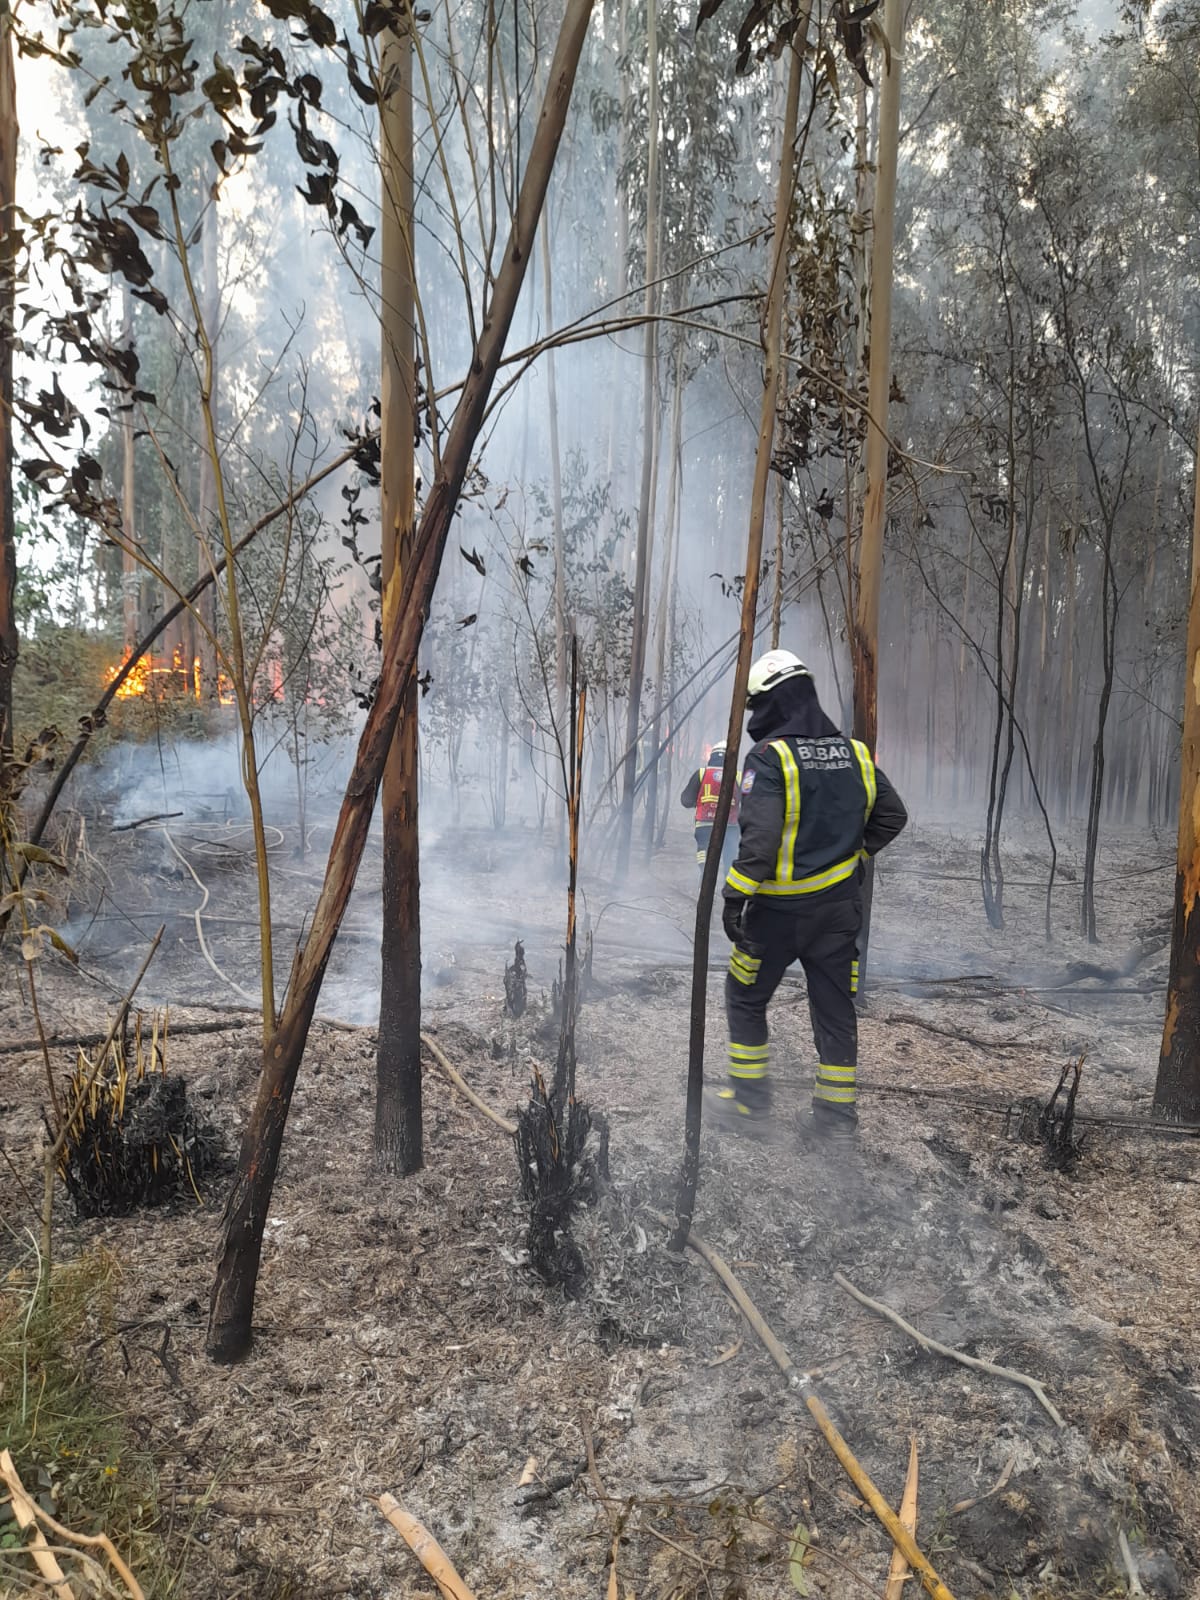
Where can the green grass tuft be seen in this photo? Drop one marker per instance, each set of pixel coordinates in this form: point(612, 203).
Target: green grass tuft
point(70, 1443)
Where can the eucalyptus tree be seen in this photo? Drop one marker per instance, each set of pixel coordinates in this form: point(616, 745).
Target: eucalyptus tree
point(9, 637)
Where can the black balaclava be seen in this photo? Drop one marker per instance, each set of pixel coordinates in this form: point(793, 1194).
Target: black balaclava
point(791, 707)
point(716, 758)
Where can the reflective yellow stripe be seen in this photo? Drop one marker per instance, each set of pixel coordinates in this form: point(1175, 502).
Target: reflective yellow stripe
point(739, 881)
point(854, 977)
point(748, 962)
point(701, 856)
point(748, 1052)
point(837, 1097)
point(744, 978)
point(838, 873)
point(747, 1069)
point(867, 767)
point(842, 1073)
point(785, 862)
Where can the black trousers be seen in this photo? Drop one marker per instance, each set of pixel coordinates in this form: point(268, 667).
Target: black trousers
point(821, 932)
point(728, 849)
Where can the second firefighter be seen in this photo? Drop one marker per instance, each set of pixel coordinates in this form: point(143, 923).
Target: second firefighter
point(701, 792)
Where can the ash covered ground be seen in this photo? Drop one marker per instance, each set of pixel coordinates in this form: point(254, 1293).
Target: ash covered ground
point(403, 1344)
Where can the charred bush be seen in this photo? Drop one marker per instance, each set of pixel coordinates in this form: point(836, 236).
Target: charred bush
point(563, 1163)
point(1053, 1124)
point(516, 983)
point(136, 1143)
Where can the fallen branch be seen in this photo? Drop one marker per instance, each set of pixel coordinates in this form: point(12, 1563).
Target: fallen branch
point(426, 1549)
point(84, 1041)
point(937, 1348)
point(802, 1381)
point(967, 1101)
point(898, 1572)
point(1000, 1483)
point(614, 1521)
point(25, 1512)
point(463, 1088)
point(902, 1019)
point(320, 1020)
point(29, 1515)
point(739, 1297)
point(547, 1488)
point(157, 816)
point(1135, 1582)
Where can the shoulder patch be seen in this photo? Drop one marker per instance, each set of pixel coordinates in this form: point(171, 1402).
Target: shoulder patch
point(748, 782)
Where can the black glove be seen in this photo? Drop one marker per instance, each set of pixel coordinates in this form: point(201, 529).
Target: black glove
point(732, 912)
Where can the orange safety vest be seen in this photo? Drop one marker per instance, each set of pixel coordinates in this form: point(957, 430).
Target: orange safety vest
point(710, 790)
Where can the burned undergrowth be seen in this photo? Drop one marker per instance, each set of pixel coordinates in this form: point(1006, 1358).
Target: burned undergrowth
point(406, 1340)
point(135, 1139)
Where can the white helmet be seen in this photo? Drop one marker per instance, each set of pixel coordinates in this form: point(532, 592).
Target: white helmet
point(717, 748)
point(776, 667)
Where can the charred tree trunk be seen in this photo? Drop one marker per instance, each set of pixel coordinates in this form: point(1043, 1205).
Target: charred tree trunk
point(232, 1304)
point(1110, 602)
point(772, 326)
point(1177, 1089)
point(641, 580)
point(205, 641)
point(398, 1134)
point(674, 472)
point(556, 496)
point(865, 633)
point(131, 572)
point(9, 638)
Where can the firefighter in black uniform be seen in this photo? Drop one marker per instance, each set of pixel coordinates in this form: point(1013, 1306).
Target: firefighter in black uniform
point(700, 793)
point(814, 806)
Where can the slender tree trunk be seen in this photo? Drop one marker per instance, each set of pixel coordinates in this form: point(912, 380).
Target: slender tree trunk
point(619, 275)
point(1008, 631)
point(860, 226)
point(1177, 1089)
point(232, 1305)
point(398, 1134)
point(772, 326)
point(641, 580)
point(1068, 696)
point(131, 572)
point(664, 605)
point(556, 504)
point(865, 634)
point(9, 638)
point(1110, 598)
point(500, 804)
point(207, 509)
point(777, 594)
point(669, 780)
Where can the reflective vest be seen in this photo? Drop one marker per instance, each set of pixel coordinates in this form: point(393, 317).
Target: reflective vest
point(710, 790)
point(828, 795)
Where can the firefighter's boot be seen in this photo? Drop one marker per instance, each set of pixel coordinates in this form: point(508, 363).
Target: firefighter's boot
point(822, 1126)
point(741, 1107)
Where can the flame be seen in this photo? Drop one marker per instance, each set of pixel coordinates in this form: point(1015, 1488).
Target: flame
point(159, 677)
point(171, 678)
